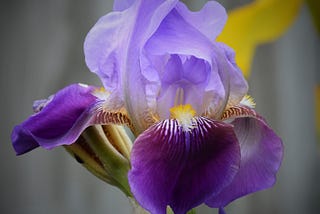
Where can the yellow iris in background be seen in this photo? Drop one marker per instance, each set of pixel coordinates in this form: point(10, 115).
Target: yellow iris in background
point(264, 21)
point(258, 22)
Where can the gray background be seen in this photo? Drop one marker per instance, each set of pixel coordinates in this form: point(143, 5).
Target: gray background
point(41, 52)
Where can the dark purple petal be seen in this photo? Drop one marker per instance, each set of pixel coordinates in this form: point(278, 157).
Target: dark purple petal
point(61, 120)
point(221, 211)
point(261, 156)
point(182, 168)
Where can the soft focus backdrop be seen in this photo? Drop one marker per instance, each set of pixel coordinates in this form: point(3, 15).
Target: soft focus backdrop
point(41, 52)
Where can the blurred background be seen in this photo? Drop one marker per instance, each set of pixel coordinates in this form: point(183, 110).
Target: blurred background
point(41, 52)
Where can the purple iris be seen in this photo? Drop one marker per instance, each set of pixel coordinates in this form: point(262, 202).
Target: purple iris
point(198, 137)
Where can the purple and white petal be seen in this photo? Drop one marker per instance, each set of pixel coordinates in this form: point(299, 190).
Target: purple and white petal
point(261, 156)
point(59, 122)
point(180, 168)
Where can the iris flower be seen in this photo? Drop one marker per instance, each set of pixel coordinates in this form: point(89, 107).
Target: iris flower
point(197, 138)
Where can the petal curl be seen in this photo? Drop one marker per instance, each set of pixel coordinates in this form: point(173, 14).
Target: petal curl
point(224, 82)
point(55, 124)
point(261, 156)
point(101, 48)
point(114, 44)
point(165, 160)
point(210, 20)
point(63, 118)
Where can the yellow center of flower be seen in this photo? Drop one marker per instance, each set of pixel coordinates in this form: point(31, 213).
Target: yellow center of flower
point(184, 114)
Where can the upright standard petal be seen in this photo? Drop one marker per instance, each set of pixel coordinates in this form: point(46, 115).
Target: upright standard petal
point(101, 48)
point(261, 156)
point(223, 80)
point(210, 20)
point(60, 121)
point(150, 15)
point(113, 46)
point(181, 169)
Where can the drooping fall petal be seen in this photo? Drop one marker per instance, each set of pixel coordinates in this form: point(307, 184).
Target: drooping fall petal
point(261, 156)
point(59, 121)
point(180, 168)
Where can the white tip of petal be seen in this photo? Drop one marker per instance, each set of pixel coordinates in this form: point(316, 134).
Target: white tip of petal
point(83, 85)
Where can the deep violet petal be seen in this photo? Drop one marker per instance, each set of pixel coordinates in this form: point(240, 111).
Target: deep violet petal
point(58, 122)
point(182, 168)
point(261, 156)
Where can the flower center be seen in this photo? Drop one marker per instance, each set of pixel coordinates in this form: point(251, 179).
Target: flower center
point(184, 114)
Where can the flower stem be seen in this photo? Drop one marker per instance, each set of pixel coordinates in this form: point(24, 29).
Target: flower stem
point(115, 165)
point(84, 157)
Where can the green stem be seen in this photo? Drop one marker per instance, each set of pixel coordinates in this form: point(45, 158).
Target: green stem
point(88, 161)
point(113, 162)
